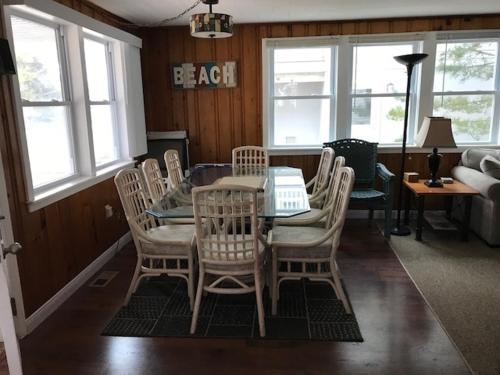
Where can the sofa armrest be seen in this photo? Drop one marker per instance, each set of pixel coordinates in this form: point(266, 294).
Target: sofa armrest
point(488, 186)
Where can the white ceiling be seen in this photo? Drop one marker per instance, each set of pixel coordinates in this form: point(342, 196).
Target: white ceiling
point(250, 11)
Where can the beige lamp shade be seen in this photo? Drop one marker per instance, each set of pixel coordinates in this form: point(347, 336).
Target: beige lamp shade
point(436, 132)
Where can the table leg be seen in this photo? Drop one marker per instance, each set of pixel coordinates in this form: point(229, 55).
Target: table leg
point(420, 217)
point(407, 194)
point(466, 218)
point(449, 206)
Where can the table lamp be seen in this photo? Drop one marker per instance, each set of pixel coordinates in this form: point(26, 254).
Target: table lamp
point(435, 132)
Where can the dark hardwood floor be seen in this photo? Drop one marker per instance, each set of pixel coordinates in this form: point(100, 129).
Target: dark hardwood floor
point(401, 334)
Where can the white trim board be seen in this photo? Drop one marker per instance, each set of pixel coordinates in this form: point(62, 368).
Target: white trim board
point(52, 9)
point(49, 307)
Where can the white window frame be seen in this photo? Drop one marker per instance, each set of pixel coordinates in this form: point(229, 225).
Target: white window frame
point(112, 94)
point(461, 37)
point(423, 83)
point(129, 113)
point(269, 46)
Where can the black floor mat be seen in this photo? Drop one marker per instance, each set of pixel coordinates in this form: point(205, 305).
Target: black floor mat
point(306, 311)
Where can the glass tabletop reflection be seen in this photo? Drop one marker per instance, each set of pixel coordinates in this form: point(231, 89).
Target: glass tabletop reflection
point(282, 190)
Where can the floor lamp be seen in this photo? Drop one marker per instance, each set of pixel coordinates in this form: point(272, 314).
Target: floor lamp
point(410, 61)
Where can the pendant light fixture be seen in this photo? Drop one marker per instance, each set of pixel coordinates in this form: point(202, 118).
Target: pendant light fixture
point(211, 25)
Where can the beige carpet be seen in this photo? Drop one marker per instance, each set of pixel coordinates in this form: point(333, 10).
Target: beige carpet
point(461, 282)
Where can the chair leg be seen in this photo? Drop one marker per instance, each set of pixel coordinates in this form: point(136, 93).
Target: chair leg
point(260, 306)
point(274, 283)
point(197, 302)
point(190, 283)
point(370, 214)
point(336, 279)
point(134, 282)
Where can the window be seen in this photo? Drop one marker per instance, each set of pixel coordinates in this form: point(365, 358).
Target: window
point(302, 96)
point(379, 92)
point(46, 103)
point(320, 89)
point(465, 88)
point(102, 101)
point(79, 101)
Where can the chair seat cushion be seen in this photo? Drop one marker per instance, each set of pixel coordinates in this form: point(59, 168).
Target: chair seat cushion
point(293, 234)
point(181, 237)
point(235, 258)
point(302, 219)
point(368, 194)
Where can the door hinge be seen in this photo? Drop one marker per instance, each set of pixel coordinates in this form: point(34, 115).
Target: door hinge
point(14, 306)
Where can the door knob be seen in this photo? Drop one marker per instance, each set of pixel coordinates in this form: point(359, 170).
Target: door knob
point(13, 249)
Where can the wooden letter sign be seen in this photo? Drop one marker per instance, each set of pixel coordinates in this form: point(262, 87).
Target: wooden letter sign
point(204, 75)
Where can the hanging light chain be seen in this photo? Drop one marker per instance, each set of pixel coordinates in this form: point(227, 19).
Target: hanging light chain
point(171, 19)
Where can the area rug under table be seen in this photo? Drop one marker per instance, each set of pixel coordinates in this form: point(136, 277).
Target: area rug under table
point(306, 311)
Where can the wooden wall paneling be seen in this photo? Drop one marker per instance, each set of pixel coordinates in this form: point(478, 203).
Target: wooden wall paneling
point(175, 47)
point(206, 106)
point(222, 51)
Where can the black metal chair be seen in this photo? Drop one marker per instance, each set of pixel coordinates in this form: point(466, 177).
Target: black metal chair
point(362, 157)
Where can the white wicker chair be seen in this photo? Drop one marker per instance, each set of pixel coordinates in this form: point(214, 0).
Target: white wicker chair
point(154, 179)
point(319, 182)
point(166, 249)
point(230, 252)
point(314, 249)
point(174, 168)
point(317, 215)
point(250, 156)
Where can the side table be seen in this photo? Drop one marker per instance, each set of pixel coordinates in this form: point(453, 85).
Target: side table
point(419, 190)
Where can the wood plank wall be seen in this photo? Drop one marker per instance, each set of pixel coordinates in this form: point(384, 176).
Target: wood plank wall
point(60, 240)
point(221, 119)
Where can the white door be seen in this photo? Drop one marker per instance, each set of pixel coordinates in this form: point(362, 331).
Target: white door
point(9, 285)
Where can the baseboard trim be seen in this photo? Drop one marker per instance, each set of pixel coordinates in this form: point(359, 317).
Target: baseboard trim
point(35, 319)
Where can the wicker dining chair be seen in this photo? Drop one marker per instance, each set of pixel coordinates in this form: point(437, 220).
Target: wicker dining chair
point(319, 182)
point(250, 156)
point(231, 252)
point(317, 216)
point(166, 249)
point(313, 249)
point(174, 168)
point(155, 182)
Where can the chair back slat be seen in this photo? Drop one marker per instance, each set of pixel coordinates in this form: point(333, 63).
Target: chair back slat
point(250, 156)
point(226, 224)
point(154, 179)
point(133, 197)
point(337, 165)
point(340, 201)
point(174, 168)
point(361, 156)
point(324, 169)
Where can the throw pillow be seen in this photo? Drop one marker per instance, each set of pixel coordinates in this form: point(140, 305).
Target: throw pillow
point(472, 157)
point(491, 166)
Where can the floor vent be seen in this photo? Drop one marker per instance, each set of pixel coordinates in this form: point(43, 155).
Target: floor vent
point(103, 279)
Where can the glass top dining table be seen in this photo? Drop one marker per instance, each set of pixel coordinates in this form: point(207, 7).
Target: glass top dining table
point(282, 190)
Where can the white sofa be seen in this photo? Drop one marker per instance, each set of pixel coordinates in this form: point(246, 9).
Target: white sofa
point(485, 212)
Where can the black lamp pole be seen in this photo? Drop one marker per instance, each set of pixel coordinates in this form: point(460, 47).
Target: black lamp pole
point(410, 61)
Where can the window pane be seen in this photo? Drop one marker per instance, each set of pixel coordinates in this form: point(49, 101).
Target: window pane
point(49, 148)
point(103, 134)
point(465, 66)
point(471, 116)
point(301, 122)
point(376, 72)
point(97, 70)
point(302, 71)
point(37, 58)
point(378, 119)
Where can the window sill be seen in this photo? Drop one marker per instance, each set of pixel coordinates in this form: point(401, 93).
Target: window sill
point(381, 150)
point(51, 196)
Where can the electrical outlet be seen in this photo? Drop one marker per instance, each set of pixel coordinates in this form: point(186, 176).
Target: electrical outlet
point(108, 210)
